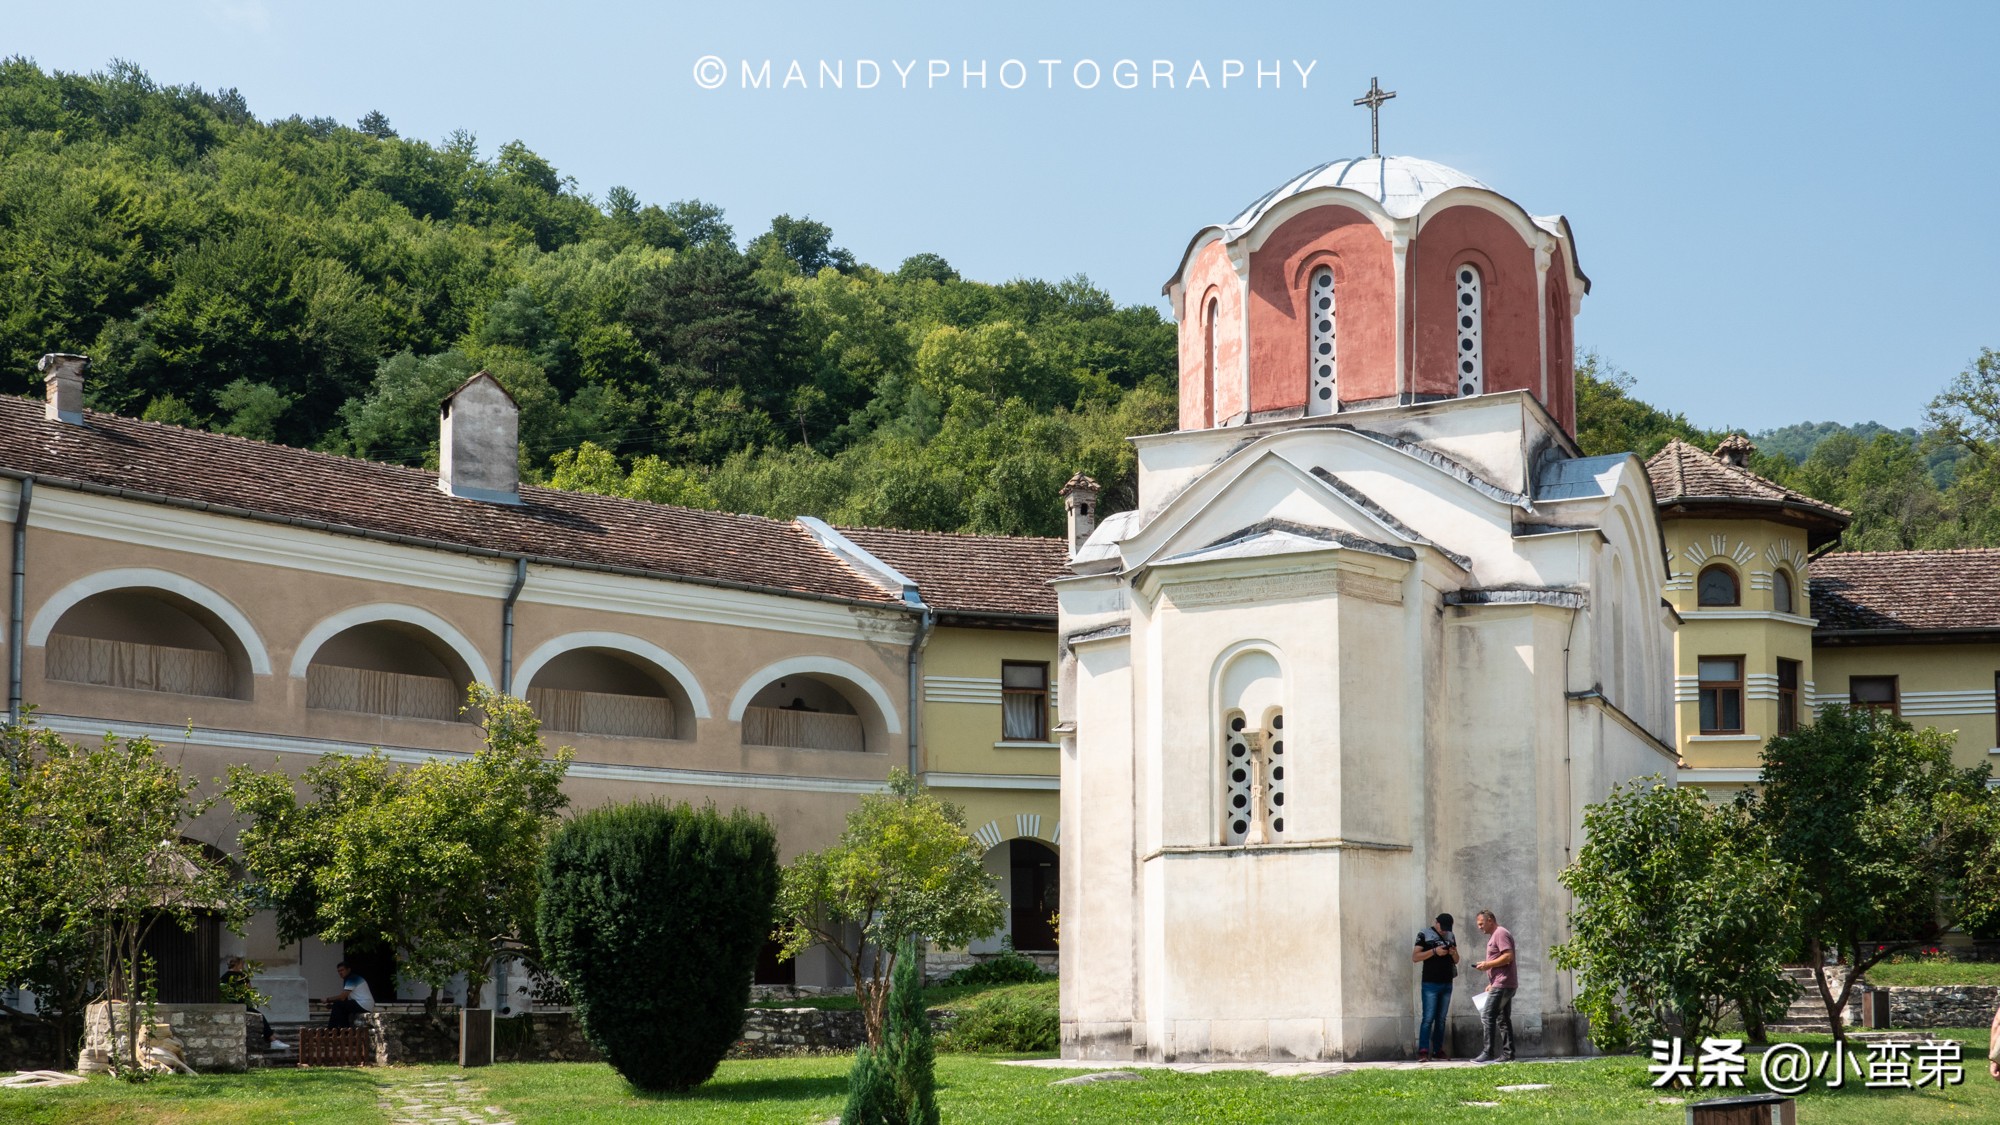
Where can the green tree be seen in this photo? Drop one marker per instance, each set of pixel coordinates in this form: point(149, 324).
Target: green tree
point(904, 867)
point(653, 916)
point(1896, 844)
point(799, 246)
point(896, 1083)
point(1610, 420)
point(439, 860)
point(1679, 915)
point(92, 858)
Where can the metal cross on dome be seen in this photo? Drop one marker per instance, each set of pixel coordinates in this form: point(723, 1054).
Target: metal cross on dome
point(1373, 99)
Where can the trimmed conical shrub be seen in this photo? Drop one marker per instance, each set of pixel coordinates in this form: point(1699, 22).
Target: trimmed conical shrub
point(896, 1084)
point(653, 916)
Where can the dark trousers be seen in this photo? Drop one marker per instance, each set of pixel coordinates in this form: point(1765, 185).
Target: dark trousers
point(341, 1013)
point(1437, 1008)
point(1498, 1023)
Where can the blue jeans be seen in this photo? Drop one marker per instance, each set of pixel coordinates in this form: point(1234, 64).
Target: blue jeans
point(1437, 1004)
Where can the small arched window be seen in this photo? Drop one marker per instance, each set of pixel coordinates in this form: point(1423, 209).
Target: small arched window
point(1322, 394)
point(1471, 364)
point(1781, 591)
point(1208, 369)
point(1717, 586)
point(1274, 775)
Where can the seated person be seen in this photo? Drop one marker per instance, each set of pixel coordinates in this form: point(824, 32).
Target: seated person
point(236, 982)
point(353, 998)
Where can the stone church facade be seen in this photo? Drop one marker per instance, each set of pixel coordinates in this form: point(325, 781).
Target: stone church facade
point(1374, 636)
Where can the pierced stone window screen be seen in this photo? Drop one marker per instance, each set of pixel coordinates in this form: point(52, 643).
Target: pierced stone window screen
point(1274, 775)
point(1471, 325)
point(1236, 767)
point(1717, 586)
point(1874, 691)
point(1781, 591)
point(1721, 694)
point(1788, 696)
point(1024, 702)
point(1322, 391)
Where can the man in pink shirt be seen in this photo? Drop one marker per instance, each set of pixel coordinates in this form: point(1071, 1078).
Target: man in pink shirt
point(1502, 977)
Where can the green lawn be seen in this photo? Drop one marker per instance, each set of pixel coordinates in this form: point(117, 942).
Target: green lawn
point(975, 1089)
point(1935, 972)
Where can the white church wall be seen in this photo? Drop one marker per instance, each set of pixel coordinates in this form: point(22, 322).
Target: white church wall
point(1099, 994)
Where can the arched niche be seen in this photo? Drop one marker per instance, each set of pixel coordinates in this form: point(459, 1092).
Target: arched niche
point(612, 692)
point(148, 639)
point(388, 667)
point(1027, 873)
point(813, 703)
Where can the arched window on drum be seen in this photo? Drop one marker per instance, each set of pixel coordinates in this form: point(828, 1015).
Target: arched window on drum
point(1323, 353)
point(1471, 329)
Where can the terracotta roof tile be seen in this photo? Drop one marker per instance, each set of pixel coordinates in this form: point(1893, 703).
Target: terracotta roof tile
point(275, 481)
point(1682, 472)
point(972, 574)
point(1907, 590)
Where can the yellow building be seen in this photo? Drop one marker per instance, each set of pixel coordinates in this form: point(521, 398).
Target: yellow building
point(1773, 626)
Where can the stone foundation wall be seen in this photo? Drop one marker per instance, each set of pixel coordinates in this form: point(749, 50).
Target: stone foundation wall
point(783, 1032)
point(1951, 1005)
point(939, 964)
point(212, 1033)
point(409, 1038)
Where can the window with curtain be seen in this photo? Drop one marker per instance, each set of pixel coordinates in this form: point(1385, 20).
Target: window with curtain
point(1721, 694)
point(1873, 691)
point(1024, 702)
point(1321, 392)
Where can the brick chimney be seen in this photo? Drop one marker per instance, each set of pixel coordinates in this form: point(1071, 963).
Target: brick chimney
point(1735, 450)
point(479, 448)
point(62, 373)
point(1080, 500)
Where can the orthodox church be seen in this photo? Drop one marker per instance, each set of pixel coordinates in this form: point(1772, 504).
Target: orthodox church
point(1373, 637)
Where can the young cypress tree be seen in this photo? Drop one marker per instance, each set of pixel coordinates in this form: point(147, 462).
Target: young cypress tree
point(896, 1084)
point(653, 916)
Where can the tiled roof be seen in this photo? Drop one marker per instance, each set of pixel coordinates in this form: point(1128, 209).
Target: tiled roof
point(972, 574)
point(1907, 590)
point(262, 480)
point(1682, 473)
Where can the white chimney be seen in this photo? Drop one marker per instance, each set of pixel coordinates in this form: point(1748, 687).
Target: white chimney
point(1080, 500)
point(479, 445)
point(63, 375)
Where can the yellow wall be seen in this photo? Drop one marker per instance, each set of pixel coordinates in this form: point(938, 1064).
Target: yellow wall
point(961, 736)
point(1753, 630)
point(1945, 686)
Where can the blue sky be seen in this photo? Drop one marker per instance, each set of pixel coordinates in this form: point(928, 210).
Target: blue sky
point(1787, 210)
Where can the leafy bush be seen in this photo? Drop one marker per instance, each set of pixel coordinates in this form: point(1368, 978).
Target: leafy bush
point(1014, 1019)
point(653, 915)
point(1008, 967)
point(896, 1083)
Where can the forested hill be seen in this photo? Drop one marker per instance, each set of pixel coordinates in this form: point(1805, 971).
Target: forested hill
point(326, 285)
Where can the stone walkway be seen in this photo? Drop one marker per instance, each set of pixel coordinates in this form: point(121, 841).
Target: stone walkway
point(437, 1101)
point(1276, 1070)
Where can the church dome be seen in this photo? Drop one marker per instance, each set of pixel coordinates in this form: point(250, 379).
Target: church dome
point(1401, 184)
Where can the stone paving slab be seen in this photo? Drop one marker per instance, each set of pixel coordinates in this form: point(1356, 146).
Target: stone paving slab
point(437, 1101)
point(1275, 1070)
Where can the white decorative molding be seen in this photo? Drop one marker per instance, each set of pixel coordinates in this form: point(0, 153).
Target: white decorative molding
point(1035, 781)
point(1019, 744)
point(820, 665)
point(988, 835)
point(144, 578)
point(423, 619)
point(1725, 738)
point(645, 650)
point(1027, 824)
point(1696, 613)
point(962, 689)
point(316, 747)
point(1720, 776)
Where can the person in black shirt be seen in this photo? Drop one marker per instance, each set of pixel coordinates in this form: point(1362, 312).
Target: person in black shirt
point(1437, 952)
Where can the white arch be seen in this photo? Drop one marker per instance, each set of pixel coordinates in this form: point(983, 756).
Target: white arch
point(388, 611)
point(824, 665)
point(142, 578)
point(618, 642)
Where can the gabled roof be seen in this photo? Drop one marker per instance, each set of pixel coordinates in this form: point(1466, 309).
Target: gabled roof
point(1688, 481)
point(233, 476)
point(973, 575)
point(1860, 592)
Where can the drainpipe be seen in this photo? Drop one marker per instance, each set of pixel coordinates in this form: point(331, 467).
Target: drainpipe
point(16, 628)
point(925, 621)
point(507, 627)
